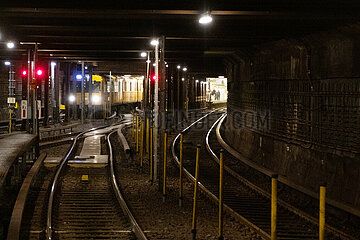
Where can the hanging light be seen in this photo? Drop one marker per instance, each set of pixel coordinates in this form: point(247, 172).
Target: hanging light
point(205, 19)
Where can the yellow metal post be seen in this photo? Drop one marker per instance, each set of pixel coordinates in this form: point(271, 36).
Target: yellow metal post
point(142, 143)
point(133, 127)
point(273, 206)
point(147, 135)
point(10, 122)
point(137, 133)
point(151, 153)
point(322, 213)
point(193, 225)
point(221, 195)
point(181, 171)
point(165, 159)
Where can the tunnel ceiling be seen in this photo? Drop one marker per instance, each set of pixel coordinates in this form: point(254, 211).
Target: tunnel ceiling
point(119, 31)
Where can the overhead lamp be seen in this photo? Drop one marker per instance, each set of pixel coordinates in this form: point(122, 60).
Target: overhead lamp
point(154, 42)
point(143, 54)
point(95, 99)
point(148, 61)
point(7, 63)
point(182, 79)
point(86, 67)
point(205, 19)
point(184, 69)
point(10, 45)
point(53, 64)
point(196, 81)
point(178, 67)
point(154, 64)
point(78, 76)
point(72, 98)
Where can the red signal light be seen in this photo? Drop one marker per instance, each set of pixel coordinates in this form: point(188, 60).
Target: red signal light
point(24, 73)
point(39, 72)
point(153, 78)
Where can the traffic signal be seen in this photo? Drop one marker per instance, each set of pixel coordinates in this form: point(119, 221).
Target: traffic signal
point(24, 73)
point(153, 78)
point(39, 72)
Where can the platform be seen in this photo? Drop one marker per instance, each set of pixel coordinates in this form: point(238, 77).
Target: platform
point(11, 148)
point(90, 155)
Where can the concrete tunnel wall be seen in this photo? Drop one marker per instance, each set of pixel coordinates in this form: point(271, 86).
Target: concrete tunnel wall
point(294, 108)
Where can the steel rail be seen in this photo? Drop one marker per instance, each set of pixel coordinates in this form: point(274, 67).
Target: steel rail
point(264, 193)
point(135, 226)
point(60, 168)
point(19, 207)
point(281, 178)
point(211, 196)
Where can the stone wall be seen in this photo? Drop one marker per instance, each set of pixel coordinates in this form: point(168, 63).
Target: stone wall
point(294, 107)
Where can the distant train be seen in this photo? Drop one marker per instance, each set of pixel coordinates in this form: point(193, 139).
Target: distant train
point(125, 89)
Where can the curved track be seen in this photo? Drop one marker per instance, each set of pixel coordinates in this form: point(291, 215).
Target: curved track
point(93, 210)
point(242, 199)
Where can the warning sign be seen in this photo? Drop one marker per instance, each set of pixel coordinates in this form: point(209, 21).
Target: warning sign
point(24, 109)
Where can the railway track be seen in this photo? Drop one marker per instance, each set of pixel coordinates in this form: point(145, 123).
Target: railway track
point(93, 209)
point(242, 199)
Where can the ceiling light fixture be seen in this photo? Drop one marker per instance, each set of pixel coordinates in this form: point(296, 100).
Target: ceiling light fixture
point(205, 19)
point(10, 45)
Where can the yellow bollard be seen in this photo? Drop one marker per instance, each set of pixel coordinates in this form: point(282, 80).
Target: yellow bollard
point(273, 206)
point(141, 143)
point(10, 122)
point(133, 127)
point(151, 153)
point(193, 225)
point(181, 171)
point(137, 133)
point(322, 213)
point(221, 196)
point(165, 159)
point(147, 135)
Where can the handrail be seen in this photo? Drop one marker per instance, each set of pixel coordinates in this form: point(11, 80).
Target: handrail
point(55, 182)
point(135, 226)
point(281, 178)
point(203, 188)
point(19, 207)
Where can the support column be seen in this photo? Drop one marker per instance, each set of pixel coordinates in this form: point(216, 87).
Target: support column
point(82, 93)
point(90, 87)
point(57, 93)
point(74, 106)
point(46, 97)
point(67, 92)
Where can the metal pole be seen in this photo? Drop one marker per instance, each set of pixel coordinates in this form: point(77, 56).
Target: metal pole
point(142, 144)
point(193, 225)
point(110, 99)
point(90, 86)
point(146, 83)
point(221, 189)
point(322, 213)
point(273, 206)
point(147, 135)
point(82, 93)
point(151, 153)
point(181, 171)
point(164, 177)
point(34, 110)
point(28, 91)
point(156, 110)
point(137, 133)
point(178, 95)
